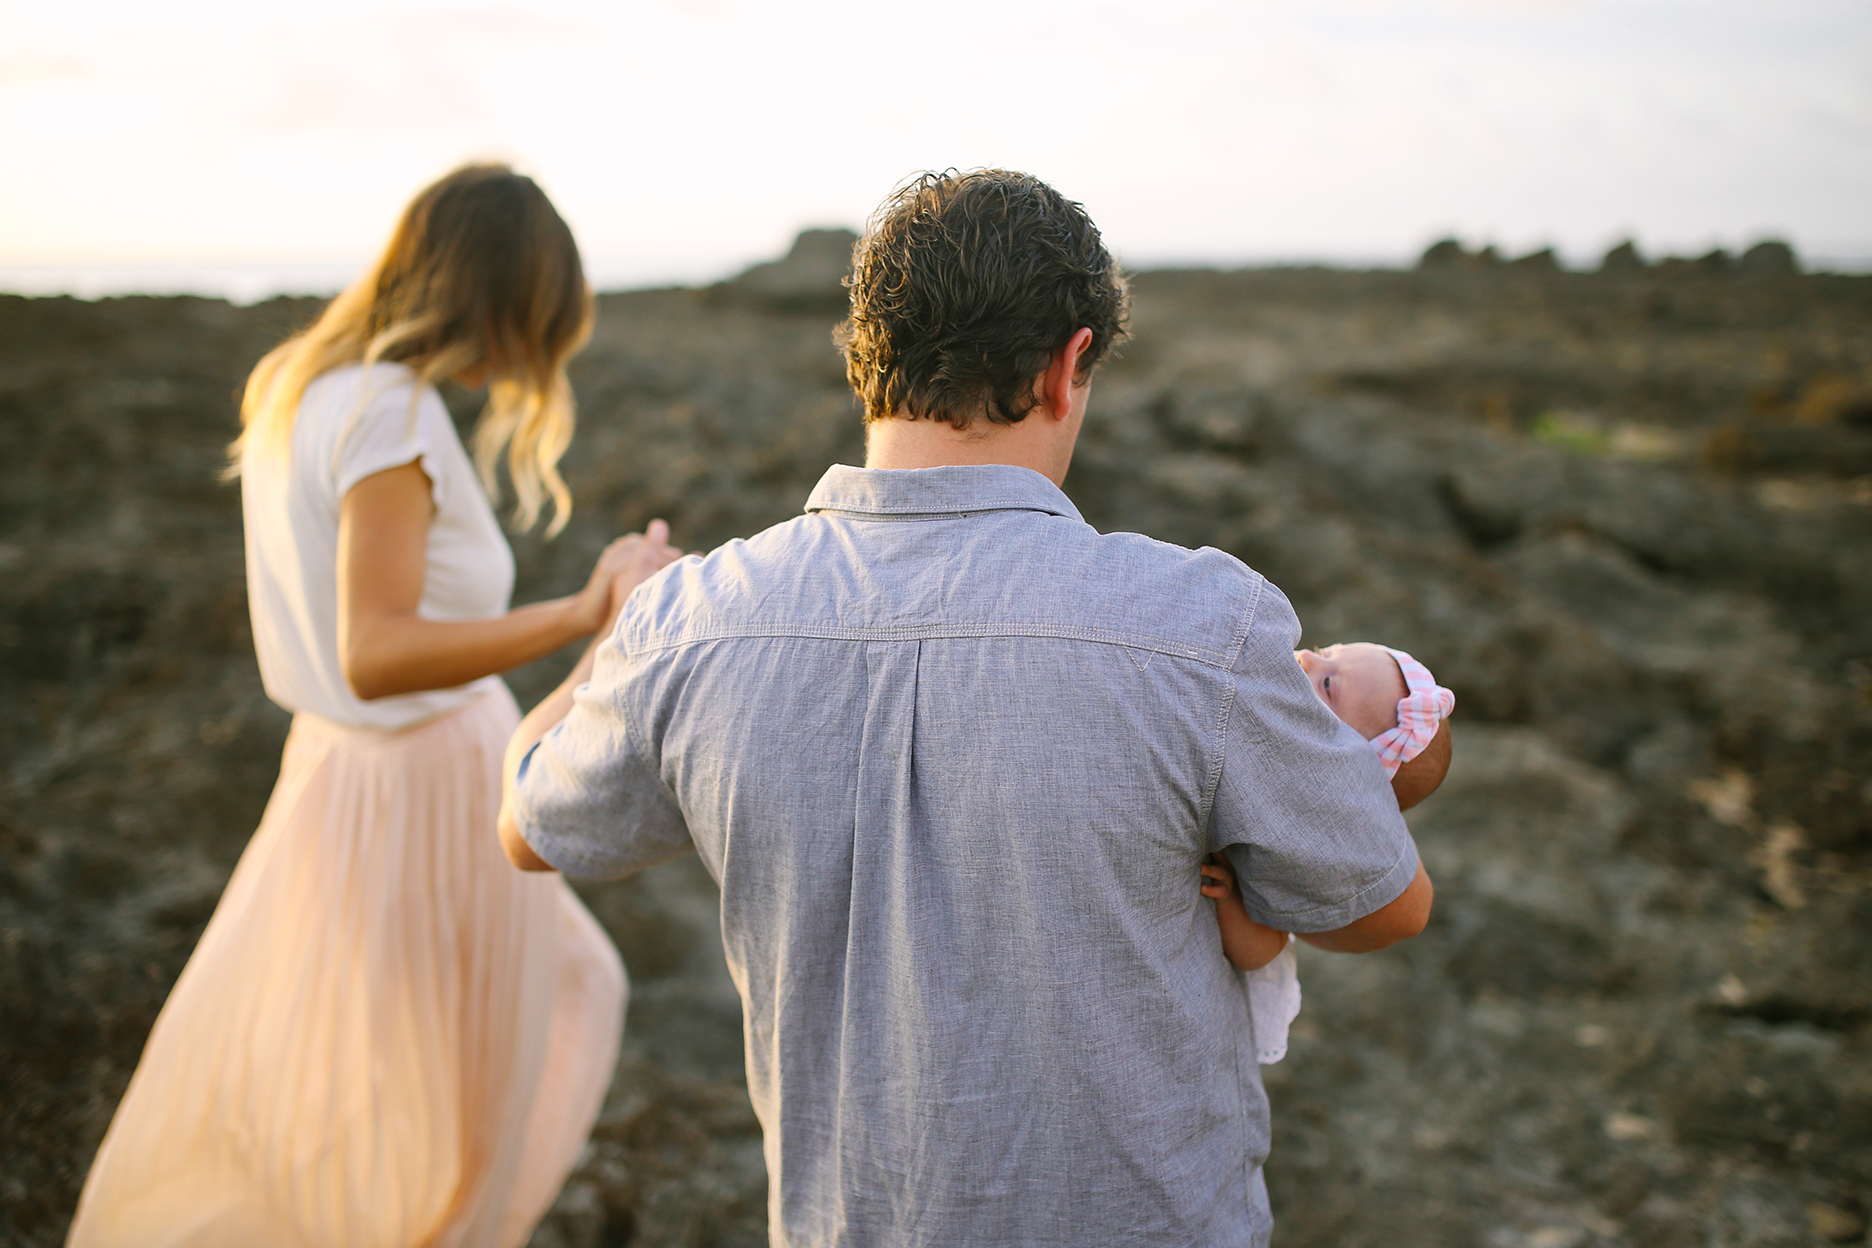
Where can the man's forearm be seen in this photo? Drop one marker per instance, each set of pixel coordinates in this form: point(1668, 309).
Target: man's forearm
point(1403, 918)
point(538, 722)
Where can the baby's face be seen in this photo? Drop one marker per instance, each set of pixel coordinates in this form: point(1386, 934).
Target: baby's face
point(1360, 683)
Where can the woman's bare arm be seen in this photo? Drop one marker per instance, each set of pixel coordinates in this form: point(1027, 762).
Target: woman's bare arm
point(386, 648)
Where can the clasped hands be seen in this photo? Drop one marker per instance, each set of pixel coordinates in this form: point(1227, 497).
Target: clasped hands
point(623, 565)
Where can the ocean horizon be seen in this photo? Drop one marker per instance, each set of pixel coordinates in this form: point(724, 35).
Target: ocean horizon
point(250, 282)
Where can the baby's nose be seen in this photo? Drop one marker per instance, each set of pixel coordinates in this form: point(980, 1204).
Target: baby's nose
point(1307, 659)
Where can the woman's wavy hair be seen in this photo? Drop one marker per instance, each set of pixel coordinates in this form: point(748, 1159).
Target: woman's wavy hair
point(481, 275)
point(963, 287)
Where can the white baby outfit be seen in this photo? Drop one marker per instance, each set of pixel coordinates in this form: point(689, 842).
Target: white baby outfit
point(1273, 1003)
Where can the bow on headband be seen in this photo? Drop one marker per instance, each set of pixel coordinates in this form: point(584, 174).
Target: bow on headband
point(1418, 713)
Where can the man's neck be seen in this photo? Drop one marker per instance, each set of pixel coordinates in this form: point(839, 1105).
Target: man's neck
point(897, 442)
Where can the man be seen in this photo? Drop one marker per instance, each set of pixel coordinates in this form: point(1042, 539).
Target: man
point(954, 758)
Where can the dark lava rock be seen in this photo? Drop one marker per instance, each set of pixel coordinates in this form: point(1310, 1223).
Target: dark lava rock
point(1768, 258)
point(1449, 253)
point(1640, 1013)
point(1716, 262)
point(1542, 261)
point(1623, 258)
point(810, 278)
point(1444, 253)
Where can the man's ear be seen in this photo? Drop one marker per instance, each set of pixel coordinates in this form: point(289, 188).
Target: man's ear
point(1062, 371)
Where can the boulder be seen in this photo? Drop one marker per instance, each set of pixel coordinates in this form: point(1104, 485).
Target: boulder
point(1445, 253)
point(809, 278)
point(1448, 253)
point(1769, 258)
point(1623, 258)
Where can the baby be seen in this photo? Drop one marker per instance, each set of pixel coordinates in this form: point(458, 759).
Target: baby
point(1391, 700)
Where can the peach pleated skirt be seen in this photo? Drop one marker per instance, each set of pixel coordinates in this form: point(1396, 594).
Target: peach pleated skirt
point(387, 1037)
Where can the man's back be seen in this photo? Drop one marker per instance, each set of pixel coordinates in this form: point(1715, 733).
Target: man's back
point(954, 758)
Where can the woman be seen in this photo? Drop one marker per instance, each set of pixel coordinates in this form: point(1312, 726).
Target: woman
point(387, 1036)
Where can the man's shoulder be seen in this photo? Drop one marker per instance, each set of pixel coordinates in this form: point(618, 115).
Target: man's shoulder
point(1196, 601)
point(1025, 572)
point(703, 594)
point(1140, 552)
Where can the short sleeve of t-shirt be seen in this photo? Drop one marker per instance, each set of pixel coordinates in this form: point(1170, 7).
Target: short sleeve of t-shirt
point(1302, 808)
point(395, 425)
point(588, 797)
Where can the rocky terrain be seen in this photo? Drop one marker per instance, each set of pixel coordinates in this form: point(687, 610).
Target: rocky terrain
point(1626, 515)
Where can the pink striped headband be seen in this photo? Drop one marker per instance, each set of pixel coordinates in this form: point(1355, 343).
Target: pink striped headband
point(1419, 711)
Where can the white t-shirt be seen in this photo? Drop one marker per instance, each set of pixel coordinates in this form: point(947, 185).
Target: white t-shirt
point(350, 425)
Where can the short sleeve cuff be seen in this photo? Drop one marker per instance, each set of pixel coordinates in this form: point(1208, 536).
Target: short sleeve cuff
point(561, 853)
point(387, 458)
point(397, 426)
point(1370, 898)
point(587, 804)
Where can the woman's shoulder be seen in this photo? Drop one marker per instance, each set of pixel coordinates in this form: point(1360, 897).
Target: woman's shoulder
point(379, 401)
point(356, 420)
point(372, 385)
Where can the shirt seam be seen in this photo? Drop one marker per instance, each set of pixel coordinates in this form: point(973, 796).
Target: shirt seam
point(903, 517)
point(927, 632)
point(1225, 714)
point(923, 509)
point(623, 712)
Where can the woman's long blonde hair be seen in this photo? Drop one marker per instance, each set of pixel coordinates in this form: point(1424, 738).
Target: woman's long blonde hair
point(481, 276)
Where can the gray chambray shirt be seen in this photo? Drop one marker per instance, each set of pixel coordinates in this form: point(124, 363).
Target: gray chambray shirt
point(954, 757)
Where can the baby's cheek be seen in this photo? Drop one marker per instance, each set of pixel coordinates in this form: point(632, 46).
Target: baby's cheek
point(1375, 720)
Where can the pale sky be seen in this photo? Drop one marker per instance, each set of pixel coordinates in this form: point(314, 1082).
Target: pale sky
point(686, 138)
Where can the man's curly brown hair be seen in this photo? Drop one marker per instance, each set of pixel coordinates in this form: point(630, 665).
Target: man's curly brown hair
point(963, 287)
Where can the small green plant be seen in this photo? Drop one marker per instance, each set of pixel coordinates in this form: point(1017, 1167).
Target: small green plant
point(1570, 432)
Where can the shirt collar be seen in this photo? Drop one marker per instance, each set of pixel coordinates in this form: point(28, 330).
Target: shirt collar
point(949, 490)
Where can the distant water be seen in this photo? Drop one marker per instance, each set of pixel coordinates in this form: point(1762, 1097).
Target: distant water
point(238, 283)
point(252, 283)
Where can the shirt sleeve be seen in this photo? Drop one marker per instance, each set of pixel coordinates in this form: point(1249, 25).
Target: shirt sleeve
point(588, 797)
point(1302, 806)
point(396, 425)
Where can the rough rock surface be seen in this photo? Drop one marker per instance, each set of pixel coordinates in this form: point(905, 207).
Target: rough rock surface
point(1626, 516)
point(809, 278)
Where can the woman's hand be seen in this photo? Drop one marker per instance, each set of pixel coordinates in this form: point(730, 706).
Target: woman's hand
point(622, 566)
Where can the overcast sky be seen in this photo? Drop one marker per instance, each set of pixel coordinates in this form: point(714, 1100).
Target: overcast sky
point(685, 138)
